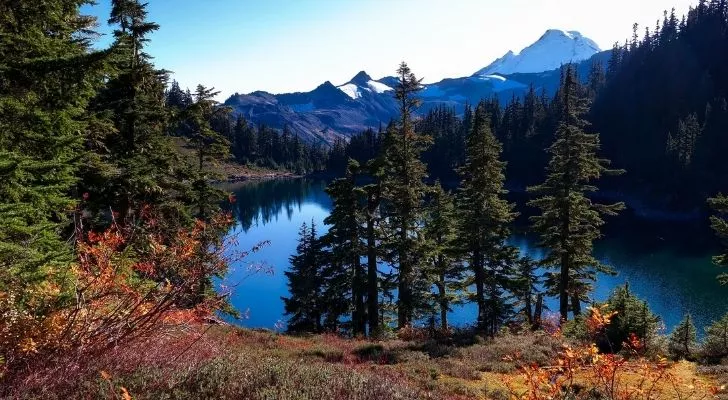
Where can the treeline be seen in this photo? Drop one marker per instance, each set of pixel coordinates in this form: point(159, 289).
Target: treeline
point(259, 145)
point(441, 245)
point(660, 105)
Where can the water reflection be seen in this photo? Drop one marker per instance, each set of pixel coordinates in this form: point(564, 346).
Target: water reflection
point(668, 264)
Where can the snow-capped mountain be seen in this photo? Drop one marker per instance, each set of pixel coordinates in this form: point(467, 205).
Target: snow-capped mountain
point(363, 83)
point(553, 49)
point(330, 111)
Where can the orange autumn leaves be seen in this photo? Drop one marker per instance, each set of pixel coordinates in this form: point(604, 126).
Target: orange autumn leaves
point(582, 372)
point(126, 282)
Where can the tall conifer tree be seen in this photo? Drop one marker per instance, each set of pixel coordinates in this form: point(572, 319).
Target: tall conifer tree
point(344, 240)
point(444, 267)
point(404, 190)
point(47, 76)
point(569, 221)
point(484, 216)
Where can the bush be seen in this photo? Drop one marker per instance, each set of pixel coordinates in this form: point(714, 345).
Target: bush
point(715, 346)
point(629, 316)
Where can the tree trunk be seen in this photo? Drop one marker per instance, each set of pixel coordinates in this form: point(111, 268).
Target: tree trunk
point(442, 296)
point(372, 275)
point(359, 313)
point(477, 266)
point(537, 313)
point(575, 304)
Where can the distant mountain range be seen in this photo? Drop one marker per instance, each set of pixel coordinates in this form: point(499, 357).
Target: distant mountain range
point(330, 111)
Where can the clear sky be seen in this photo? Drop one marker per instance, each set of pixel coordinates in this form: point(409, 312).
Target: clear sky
point(295, 45)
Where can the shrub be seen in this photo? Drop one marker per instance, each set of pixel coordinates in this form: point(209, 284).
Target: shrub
point(683, 340)
point(715, 346)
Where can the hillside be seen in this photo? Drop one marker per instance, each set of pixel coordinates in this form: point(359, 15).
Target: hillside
point(206, 362)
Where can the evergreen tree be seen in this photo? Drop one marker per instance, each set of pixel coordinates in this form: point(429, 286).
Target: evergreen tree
point(446, 271)
point(404, 190)
point(305, 306)
point(720, 225)
point(344, 240)
point(682, 342)
point(245, 142)
point(569, 221)
point(526, 283)
point(484, 218)
point(209, 146)
point(715, 345)
point(47, 76)
point(633, 317)
point(372, 221)
point(149, 172)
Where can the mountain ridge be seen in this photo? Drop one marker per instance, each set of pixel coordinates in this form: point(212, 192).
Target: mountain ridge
point(330, 111)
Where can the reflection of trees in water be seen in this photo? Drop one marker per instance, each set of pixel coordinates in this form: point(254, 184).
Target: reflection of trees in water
point(262, 202)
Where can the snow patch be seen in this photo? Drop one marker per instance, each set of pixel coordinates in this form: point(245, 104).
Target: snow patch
point(379, 87)
point(351, 90)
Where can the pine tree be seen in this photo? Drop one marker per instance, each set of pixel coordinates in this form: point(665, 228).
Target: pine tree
point(718, 222)
point(715, 345)
point(48, 74)
point(484, 217)
point(404, 190)
point(149, 172)
point(569, 221)
point(305, 306)
point(445, 269)
point(344, 240)
point(209, 146)
point(372, 220)
point(682, 342)
point(525, 289)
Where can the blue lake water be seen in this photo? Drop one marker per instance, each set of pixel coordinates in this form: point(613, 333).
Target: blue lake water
point(667, 264)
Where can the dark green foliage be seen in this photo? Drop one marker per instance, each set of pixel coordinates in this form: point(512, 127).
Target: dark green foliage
point(209, 145)
point(662, 112)
point(525, 288)
point(47, 76)
point(484, 216)
point(305, 306)
point(144, 168)
point(633, 317)
point(403, 188)
point(719, 224)
point(682, 342)
point(715, 344)
point(345, 242)
point(569, 221)
point(444, 267)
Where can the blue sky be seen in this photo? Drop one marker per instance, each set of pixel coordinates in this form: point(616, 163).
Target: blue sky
point(295, 45)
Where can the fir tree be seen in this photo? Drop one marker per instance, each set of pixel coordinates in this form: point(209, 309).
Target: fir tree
point(682, 342)
point(720, 225)
point(484, 217)
point(149, 172)
point(47, 76)
point(715, 345)
point(404, 190)
point(344, 240)
point(569, 221)
point(209, 146)
point(446, 271)
point(525, 289)
point(305, 307)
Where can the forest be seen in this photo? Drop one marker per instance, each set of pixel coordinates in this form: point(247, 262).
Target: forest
point(112, 240)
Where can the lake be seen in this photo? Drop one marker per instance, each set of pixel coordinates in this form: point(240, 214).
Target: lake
point(666, 263)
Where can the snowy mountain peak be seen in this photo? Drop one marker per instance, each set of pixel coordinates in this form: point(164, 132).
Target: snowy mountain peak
point(361, 78)
point(362, 83)
point(553, 49)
